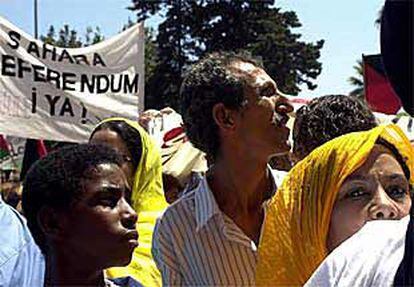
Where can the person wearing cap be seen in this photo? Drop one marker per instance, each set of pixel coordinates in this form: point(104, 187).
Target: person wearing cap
point(232, 112)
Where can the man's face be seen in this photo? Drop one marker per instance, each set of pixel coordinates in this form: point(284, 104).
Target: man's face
point(100, 225)
point(263, 120)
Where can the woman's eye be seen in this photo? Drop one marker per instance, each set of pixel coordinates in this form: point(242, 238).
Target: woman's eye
point(396, 191)
point(356, 193)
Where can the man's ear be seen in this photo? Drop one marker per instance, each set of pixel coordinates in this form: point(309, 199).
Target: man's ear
point(51, 222)
point(224, 117)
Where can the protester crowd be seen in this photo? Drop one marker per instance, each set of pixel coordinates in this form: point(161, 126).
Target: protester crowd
point(223, 199)
point(205, 207)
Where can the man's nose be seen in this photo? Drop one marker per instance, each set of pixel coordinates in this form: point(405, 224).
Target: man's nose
point(283, 105)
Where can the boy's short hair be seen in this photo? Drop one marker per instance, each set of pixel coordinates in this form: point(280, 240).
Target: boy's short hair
point(56, 181)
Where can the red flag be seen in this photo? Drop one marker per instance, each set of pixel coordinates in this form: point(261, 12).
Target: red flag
point(378, 91)
point(4, 145)
point(41, 148)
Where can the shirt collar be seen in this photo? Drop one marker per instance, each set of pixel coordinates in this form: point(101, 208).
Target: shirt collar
point(205, 204)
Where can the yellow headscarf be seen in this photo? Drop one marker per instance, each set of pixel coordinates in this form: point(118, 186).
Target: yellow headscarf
point(149, 203)
point(298, 218)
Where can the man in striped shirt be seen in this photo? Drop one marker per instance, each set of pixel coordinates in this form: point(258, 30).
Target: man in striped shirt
point(233, 112)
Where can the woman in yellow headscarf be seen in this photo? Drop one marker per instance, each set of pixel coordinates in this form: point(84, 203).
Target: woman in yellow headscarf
point(144, 173)
point(329, 196)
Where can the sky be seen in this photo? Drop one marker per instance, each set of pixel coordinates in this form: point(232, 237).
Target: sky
point(348, 28)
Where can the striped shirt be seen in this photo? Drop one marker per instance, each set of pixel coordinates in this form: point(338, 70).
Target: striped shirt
point(194, 243)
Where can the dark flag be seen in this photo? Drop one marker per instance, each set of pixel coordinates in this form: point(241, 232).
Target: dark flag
point(378, 90)
point(397, 48)
point(34, 150)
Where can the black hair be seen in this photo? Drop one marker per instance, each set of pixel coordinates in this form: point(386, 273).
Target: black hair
point(56, 181)
point(207, 83)
point(328, 117)
point(128, 134)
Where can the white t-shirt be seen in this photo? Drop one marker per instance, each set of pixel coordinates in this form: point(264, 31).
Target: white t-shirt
point(369, 258)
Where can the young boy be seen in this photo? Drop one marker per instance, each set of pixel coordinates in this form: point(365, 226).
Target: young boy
point(75, 201)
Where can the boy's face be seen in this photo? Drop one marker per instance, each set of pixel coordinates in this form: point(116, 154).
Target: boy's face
point(100, 225)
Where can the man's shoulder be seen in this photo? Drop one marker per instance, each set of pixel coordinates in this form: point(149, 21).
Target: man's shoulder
point(185, 204)
point(178, 224)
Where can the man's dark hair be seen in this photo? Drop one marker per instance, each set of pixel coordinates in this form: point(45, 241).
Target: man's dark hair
point(209, 82)
point(56, 181)
point(128, 134)
point(328, 117)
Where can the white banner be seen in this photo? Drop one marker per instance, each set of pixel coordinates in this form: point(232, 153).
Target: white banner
point(60, 94)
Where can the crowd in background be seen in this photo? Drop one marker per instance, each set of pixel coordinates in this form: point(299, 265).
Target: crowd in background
point(232, 195)
point(203, 206)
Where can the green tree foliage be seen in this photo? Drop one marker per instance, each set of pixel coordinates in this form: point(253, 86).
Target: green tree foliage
point(151, 59)
point(93, 37)
point(192, 28)
point(69, 38)
point(357, 81)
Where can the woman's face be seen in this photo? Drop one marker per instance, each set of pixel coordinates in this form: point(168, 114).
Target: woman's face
point(112, 139)
point(377, 190)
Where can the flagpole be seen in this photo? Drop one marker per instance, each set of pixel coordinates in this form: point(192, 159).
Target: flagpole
point(27, 162)
point(35, 19)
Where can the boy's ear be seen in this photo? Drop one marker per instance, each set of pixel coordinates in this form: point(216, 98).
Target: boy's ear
point(51, 222)
point(224, 117)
